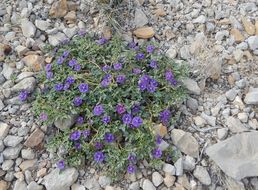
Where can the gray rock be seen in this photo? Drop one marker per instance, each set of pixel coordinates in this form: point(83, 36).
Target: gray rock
point(185, 142)
point(202, 175)
point(12, 152)
point(163, 145)
point(189, 163)
point(4, 129)
point(231, 94)
point(140, 18)
point(104, 181)
point(157, 179)
point(221, 35)
point(179, 167)
point(55, 39)
point(23, 75)
point(1, 105)
point(7, 164)
point(28, 154)
point(237, 155)
point(200, 20)
point(238, 54)
point(243, 117)
point(134, 186)
point(34, 186)
point(222, 133)
point(20, 185)
point(57, 180)
point(12, 140)
point(241, 83)
point(42, 24)
point(92, 184)
point(7, 71)
point(27, 84)
point(21, 50)
point(170, 169)
point(251, 97)
point(235, 125)
point(192, 86)
point(28, 28)
point(70, 32)
point(209, 119)
point(192, 104)
point(64, 124)
point(171, 53)
point(147, 185)
point(1, 146)
point(253, 42)
point(77, 186)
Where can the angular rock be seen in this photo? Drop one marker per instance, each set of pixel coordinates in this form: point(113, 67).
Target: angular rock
point(249, 27)
point(4, 129)
point(253, 42)
point(237, 35)
point(140, 18)
point(189, 163)
point(209, 119)
point(169, 169)
point(57, 180)
point(12, 152)
point(222, 133)
point(27, 154)
point(23, 75)
point(64, 124)
point(20, 185)
point(147, 185)
point(7, 164)
point(57, 38)
point(7, 71)
point(192, 86)
point(3, 185)
point(28, 164)
point(58, 9)
point(237, 156)
point(235, 125)
point(169, 180)
point(28, 28)
point(77, 186)
point(251, 97)
point(179, 167)
point(70, 17)
point(21, 50)
point(92, 183)
point(27, 84)
point(171, 53)
point(144, 32)
point(12, 140)
point(35, 138)
point(35, 62)
point(104, 181)
point(42, 24)
point(1, 105)
point(202, 175)
point(157, 179)
point(34, 186)
point(200, 20)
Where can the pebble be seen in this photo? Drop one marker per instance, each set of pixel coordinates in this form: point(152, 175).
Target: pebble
point(202, 175)
point(140, 18)
point(144, 32)
point(12, 141)
point(4, 129)
point(28, 154)
point(169, 180)
point(189, 163)
point(192, 86)
point(42, 24)
point(28, 28)
point(34, 186)
point(231, 94)
point(200, 20)
point(250, 98)
point(7, 165)
point(222, 133)
point(179, 167)
point(170, 169)
point(147, 185)
point(253, 42)
point(157, 179)
point(104, 181)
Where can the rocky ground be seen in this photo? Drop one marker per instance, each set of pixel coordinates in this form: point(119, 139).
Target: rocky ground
point(216, 137)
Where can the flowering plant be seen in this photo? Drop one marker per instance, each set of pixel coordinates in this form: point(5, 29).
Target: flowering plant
point(118, 92)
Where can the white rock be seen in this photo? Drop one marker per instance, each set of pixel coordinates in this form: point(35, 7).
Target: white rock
point(202, 175)
point(209, 119)
point(235, 125)
point(28, 28)
point(199, 121)
point(200, 20)
point(147, 185)
point(77, 186)
point(55, 39)
point(179, 167)
point(189, 163)
point(104, 181)
point(1, 105)
point(222, 133)
point(157, 179)
point(42, 24)
point(12, 140)
point(171, 53)
point(7, 71)
point(251, 96)
point(4, 129)
point(27, 84)
point(12, 152)
point(28, 154)
point(231, 94)
point(20, 185)
point(170, 169)
point(34, 186)
point(243, 117)
point(92, 183)
point(7, 164)
point(23, 75)
point(140, 18)
point(253, 42)
point(169, 180)
point(192, 86)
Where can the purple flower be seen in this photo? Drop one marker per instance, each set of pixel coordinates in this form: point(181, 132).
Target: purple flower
point(49, 75)
point(74, 136)
point(127, 118)
point(118, 66)
point(82, 33)
point(153, 64)
point(60, 164)
point(99, 156)
point(70, 80)
point(43, 117)
point(106, 80)
point(72, 62)
point(150, 48)
point(80, 120)
point(139, 56)
point(77, 101)
point(98, 110)
point(147, 83)
point(78, 146)
point(86, 133)
point(98, 145)
point(132, 158)
point(157, 153)
point(109, 137)
point(48, 67)
point(131, 169)
point(23, 95)
point(120, 108)
point(120, 79)
point(102, 41)
point(66, 53)
point(60, 60)
point(158, 139)
point(59, 87)
point(165, 116)
point(106, 68)
point(169, 75)
point(106, 119)
point(136, 71)
point(84, 88)
point(135, 109)
point(77, 67)
point(137, 121)
point(66, 86)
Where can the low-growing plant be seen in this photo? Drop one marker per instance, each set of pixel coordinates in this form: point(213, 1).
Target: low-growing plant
point(119, 92)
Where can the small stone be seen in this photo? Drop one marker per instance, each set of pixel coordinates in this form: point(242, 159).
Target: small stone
point(34, 186)
point(35, 138)
point(192, 104)
point(256, 27)
point(56, 39)
point(202, 175)
point(28, 28)
point(238, 54)
point(184, 181)
point(64, 124)
point(179, 167)
point(23, 75)
point(237, 35)
point(20, 185)
point(1, 105)
point(160, 130)
point(220, 35)
point(147, 185)
point(189, 163)
point(222, 133)
point(140, 18)
point(252, 123)
point(160, 12)
point(27, 84)
point(12, 152)
point(169, 180)
point(92, 183)
point(12, 140)
point(253, 42)
point(27, 164)
point(77, 186)
point(42, 172)
point(7, 71)
point(70, 17)
point(42, 24)
point(27, 154)
point(192, 86)
point(250, 98)
point(4, 129)
point(21, 50)
point(185, 142)
point(171, 53)
point(243, 117)
point(157, 179)
point(235, 125)
point(35, 62)
point(134, 186)
point(58, 9)
point(144, 32)
point(200, 20)
point(209, 119)
point(231, 94)
point(163, 145)
point(104, 181)
point(57, 180)
point(249, 27)
point(169, 169)
point(3, 185)
point(7, 164)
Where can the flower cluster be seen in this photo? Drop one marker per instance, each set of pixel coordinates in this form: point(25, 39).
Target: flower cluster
point(118, 93)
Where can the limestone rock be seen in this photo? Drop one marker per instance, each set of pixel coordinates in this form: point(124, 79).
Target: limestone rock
point(252, 96)
point(157, 179)
point(144, 32)
point(202, 175)
point(235, 125)
point(58, 9)
point(192, 86)
point(237, 156)
point(28, 28)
